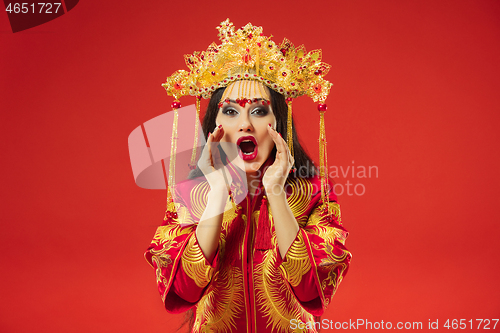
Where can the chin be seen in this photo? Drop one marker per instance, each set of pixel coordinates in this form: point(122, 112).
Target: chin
point(252, 167)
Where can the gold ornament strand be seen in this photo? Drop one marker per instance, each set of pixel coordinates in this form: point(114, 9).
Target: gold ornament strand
point(173, 150)
point(289, 130)
point(322, 154)
point(261, 89)
point(195, 144)
point(239, 91)
point(170, 201)
point(327, 185)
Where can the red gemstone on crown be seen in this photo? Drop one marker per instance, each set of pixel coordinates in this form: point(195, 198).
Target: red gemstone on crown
point(322, 107)
point(318, 72)
point(176, 105)
point(213, 73)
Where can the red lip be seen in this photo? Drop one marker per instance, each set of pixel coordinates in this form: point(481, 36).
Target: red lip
point(246, 138)
point(247, 157)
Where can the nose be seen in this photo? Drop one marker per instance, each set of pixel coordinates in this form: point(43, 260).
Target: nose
point(245, 124)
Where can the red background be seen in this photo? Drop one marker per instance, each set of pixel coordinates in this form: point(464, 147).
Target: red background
point(416, 93)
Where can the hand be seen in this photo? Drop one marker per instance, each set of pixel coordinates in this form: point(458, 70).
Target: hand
point(275, 176)
point(211, 165)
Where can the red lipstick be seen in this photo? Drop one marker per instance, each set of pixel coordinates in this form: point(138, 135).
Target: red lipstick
point(248, 147)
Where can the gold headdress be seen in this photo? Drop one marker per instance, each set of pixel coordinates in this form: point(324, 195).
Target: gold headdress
point(246, 54)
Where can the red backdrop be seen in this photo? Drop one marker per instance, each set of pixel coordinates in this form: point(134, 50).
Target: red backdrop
point(416, 94)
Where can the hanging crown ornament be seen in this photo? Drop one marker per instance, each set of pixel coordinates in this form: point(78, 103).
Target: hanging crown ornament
point(247, 55)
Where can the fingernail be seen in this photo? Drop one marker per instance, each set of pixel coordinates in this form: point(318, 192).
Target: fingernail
point(280, 134)
point(209, 133)
point(269, 124)
point(220, 126)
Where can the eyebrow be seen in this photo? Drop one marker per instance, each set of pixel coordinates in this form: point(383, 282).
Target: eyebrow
point(252, 100)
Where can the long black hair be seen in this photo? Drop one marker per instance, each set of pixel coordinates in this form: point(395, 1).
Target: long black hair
point(304, 165)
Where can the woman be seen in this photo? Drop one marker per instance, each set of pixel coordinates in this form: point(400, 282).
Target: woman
point(250, 245)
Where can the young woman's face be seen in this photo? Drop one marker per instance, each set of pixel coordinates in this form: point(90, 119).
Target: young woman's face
point(246, 126)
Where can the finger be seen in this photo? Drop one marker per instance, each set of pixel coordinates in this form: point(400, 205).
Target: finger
point(281, 145)
point(206, 154)
point(218, 133)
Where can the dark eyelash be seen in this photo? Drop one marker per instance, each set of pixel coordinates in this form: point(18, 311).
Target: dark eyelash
point(229, 111)
point(260, 111)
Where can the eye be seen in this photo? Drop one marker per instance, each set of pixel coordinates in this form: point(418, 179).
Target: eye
point(229, 111)
point(260, 111)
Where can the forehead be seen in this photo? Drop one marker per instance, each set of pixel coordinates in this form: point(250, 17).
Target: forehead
point(246, 89)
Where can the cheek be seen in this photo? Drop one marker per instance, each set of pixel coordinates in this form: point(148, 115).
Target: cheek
point(268, 145)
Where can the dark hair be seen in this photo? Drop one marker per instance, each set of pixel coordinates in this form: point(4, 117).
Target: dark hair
point(304, 166)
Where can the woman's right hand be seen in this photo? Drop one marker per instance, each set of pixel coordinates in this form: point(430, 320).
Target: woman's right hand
point(211, 164)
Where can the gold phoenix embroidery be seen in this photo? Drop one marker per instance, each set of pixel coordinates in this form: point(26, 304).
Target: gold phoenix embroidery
point(194, 264)
point(299, 198)
point(318, 225)
point(198, 197)
point(297, 262)
point(279, 310)
point(333, 263)
point(223, 299)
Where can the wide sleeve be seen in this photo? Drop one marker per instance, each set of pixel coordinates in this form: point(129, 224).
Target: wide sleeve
point(317, 260)
point(182, 271)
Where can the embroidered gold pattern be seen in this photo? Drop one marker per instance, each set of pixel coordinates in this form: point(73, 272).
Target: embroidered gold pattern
point(223, 300)
point(194, 264)
point(318, 225)
point(199, 198)
point(167, 233)
point(229, 214)
point(299, 198)
point(297, 262)
point(333, 264)
point(277, 309)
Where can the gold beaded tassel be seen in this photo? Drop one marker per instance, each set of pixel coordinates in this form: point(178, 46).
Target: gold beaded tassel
point(173, 150)
point(289, 132)
point(192, 164)
point(323, 171)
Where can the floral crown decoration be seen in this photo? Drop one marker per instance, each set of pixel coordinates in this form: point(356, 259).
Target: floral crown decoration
point(246, 54)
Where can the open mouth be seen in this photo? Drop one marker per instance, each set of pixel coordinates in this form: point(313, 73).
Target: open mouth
point(248, 147)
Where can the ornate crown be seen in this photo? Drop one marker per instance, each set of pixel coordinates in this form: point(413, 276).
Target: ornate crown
point(246, 54)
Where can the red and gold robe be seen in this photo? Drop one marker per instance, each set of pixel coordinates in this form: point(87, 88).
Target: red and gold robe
point(245, 288)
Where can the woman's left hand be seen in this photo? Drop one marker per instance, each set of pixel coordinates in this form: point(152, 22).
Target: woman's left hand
point(275, 176)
